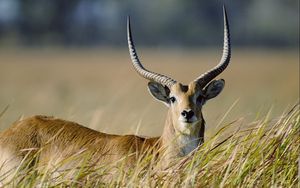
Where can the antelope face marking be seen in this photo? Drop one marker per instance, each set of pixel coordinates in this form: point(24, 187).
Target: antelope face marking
point(185, 102)
point(185, 106)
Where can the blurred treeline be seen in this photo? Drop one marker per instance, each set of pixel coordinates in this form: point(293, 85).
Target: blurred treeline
point(171, 23)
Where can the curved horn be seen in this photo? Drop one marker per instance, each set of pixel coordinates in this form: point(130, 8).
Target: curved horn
point(205, 78)
point(138, 65)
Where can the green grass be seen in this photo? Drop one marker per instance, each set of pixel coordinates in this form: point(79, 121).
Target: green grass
point(265, 154)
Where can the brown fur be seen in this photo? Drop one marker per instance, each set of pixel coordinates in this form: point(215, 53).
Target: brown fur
point(43, 132)
point(55, 139)
point(58, 139)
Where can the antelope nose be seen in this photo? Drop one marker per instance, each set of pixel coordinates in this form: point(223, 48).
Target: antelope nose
point(187, 114)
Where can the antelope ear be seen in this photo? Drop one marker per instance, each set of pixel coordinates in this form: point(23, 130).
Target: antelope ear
point(159, 92)
point(214, 89)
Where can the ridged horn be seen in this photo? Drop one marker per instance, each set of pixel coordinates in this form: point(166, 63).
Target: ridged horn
point(162, 79)
point(205, 78)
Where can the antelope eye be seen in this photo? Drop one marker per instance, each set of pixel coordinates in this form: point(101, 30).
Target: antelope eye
point(172, 99)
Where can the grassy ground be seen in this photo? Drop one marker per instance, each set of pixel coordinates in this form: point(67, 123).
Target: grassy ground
point(99, 89)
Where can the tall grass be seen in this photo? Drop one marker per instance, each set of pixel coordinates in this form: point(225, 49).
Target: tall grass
point(265, 154)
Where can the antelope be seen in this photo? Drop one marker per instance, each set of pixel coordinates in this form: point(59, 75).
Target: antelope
point(183, 130)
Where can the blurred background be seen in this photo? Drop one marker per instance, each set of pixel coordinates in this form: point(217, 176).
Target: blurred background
point(175, 23)
point(69, 59)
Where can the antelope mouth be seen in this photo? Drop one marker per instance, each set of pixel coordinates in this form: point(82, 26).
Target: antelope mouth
point(189, 122)
point(192, 120)
point(188, 127)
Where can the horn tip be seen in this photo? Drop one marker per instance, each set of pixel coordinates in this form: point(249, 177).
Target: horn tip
point(128, 27)
point(225, 17)
point(224, 10)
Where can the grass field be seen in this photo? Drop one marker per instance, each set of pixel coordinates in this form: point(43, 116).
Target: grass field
point(99, 89)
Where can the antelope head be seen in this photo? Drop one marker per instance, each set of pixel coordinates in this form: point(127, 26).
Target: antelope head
point(185, 101)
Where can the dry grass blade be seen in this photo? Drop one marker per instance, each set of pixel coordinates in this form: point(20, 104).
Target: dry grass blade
point(264, 155)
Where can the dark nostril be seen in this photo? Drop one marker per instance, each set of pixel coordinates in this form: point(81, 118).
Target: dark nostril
point(184, 113)
point(187, 114)
point(190, 114)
